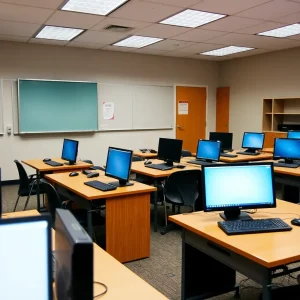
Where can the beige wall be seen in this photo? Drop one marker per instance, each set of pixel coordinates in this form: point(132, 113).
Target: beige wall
point(40, 61)
point(251, 79)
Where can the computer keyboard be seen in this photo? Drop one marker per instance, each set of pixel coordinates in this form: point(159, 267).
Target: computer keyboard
point(253, 226)
point(228, 155)
point(277, 164)
point(161, 167)
point(100, 185)
point(248, 153)
point(53, 163)
point(200, 162)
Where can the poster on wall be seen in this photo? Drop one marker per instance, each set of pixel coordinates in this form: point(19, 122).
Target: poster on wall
point(108, 110)
point(183, 107)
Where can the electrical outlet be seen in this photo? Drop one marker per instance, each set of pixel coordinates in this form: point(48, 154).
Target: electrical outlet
point(9, 129)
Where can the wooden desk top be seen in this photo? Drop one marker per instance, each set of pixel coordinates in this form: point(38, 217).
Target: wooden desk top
point(144, 155)
point(122, 283)
point(39, 165)
point(268, 249)
point(76, 185)
point(268, 150)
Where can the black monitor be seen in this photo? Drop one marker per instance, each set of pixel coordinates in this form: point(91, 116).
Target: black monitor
point(208, 150)
point(232, 187)
point(169, 150)
point(26, 258)
point(293, 134)
point(253, 141)
point(118, 165)
point(288, 149)
point(224, 137)
point(69, 151)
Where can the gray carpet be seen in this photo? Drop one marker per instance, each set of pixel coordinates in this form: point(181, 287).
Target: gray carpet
point(163, 269)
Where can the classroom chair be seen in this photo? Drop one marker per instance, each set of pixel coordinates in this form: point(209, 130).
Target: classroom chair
point(185, 153)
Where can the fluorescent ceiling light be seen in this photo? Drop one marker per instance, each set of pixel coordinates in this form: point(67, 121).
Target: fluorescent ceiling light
point(192, 18)
point(96, 7)
point(137, 41)
point(226, 51)
point(283, 31)
point(58, 33)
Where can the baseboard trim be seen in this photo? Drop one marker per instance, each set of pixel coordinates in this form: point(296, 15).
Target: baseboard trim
point(10, 182)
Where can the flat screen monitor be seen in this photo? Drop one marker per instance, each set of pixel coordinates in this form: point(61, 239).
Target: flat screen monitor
point(69, 151)
point(224, 137)
point(208, 150)
point(169, 150)
point(293, 134)
point(253, 141)
point(26, 258)
point(232, 187)
point(288, 149)
point(118, 165)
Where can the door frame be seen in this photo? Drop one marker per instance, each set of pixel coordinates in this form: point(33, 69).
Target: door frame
point(206, 106)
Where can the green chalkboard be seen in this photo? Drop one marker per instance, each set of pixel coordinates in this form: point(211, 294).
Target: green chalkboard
point(57, 106)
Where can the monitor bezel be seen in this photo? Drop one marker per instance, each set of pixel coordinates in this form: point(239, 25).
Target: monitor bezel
point(254, 148)
point(208, 159)
point(246, 164)
point(291, 131)
point(284, 157)
point(222, 134)
point(167, 159)
point(70, 161)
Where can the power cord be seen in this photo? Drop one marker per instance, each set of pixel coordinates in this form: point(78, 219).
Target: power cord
point(102, 284)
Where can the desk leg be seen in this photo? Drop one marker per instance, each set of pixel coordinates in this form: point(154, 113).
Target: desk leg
point(155, 205)
point(38, 174)
point(89, 220)
point(267, 288)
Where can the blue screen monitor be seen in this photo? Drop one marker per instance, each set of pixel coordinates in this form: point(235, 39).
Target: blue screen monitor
point(293, 134)
point(253, 141)
point(288, 149)
point(118, 165)
point(26, 258)
point(208, 150)
point(232, 187)
point(69, 151)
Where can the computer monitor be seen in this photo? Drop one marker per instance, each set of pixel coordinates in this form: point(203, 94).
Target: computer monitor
point(293, 134)
point(26, 258)
point(118, 165)
point(232, 187)
point(69, 151)
point(224, 137)
point(253, 141)
point(169, 150)
point(208, 150)
point(288, 149)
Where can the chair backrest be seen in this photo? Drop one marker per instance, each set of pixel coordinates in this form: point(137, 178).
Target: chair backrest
point(24, 181)
point(182, 187)
point(136, 158)
point(88, 161)
point(185, 153)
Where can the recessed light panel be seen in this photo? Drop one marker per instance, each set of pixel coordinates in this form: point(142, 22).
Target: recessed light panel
point(58, 33)
point(96, 7)
point(192, 18)
point(226, 51)
point(137, 41)
point(283, 31)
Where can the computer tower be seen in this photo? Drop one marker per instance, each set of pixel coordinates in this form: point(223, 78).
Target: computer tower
point(73, 259)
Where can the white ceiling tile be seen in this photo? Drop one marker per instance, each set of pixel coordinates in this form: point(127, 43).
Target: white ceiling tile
point(74, 20)
point(13, 38)
point(169, 45)
point(271, 11)
point(290, 19)
point(145, 11)
point(119, 49)
point(260, 27)
point(176, 54)
point(19, 13)
point(200, 47)
point(161, 31)
point(100, 37)
point(48, 42)
point(85, 45)
point(198, 35)
point(150, 51)
point(231, 24)
point(18, 28)
point(180, 3)
point(207, 57)
point(227, 6)
point(54, 4)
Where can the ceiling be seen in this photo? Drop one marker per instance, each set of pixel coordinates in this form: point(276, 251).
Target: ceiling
point(20, 20)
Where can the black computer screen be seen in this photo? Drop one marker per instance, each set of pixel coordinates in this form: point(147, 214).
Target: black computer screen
point(224, 137)
point(208, 150)
point(253, 140)
point(288, 149)
point(69, 150)
point(293, 134)
point(169, 150)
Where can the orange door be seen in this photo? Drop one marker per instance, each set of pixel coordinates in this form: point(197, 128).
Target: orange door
point(190, 115)
point(222, 109)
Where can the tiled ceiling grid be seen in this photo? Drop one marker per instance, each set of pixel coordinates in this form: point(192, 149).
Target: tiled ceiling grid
point(21, 20)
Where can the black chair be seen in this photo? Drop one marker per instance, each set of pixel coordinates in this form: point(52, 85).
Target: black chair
point(93, 167)
point(181, 189)
point(185, 153)
point(28, 186)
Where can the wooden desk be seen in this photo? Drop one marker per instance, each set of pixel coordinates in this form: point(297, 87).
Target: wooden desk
point(145, 155)
point(254, 255)
point(127, 213)
point(268, 150)
point(122, 283)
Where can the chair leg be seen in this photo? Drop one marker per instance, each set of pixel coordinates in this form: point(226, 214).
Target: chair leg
point(16, 203)
point(26, 203)
point(166, 213)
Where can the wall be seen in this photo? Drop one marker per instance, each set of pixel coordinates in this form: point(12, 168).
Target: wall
point(269, 75)
point(19, 60)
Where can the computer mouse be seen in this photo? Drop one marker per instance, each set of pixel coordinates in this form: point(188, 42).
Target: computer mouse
point(46, 159)
point(92, 174)
point(153, 151)
point(180, 166)
point(73, 174)
point(296, 221)
point(148, 162)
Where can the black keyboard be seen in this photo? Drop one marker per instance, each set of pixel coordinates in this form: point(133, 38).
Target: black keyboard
point(200, 162)
point(53, 163)
point(248, 153)
point(228, 155)
point(161, 167)
point(100, 185)
point(285, 165)
point(254, 226)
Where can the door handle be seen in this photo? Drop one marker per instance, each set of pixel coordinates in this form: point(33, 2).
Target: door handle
point(179, 126)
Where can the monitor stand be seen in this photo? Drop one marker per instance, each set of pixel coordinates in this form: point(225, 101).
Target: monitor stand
point(121, 183)
point(288, 161)
point(235, 214)
point(69, 163)
point(250, 151)
point(169, 163)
